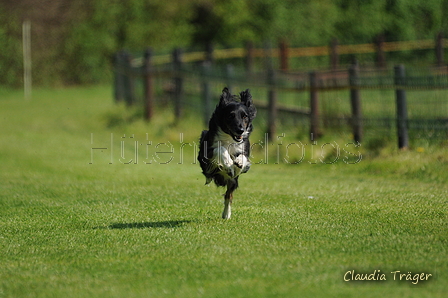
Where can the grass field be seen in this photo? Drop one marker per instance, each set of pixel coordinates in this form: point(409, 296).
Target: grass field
point(134, 218)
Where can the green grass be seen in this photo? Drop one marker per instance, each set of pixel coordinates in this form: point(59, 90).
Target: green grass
point(148, 229)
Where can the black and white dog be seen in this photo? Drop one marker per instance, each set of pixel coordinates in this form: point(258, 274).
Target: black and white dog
point(225, 148)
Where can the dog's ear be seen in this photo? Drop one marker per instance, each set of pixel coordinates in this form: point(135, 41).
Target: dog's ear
point(246, 99)
point(226, 97)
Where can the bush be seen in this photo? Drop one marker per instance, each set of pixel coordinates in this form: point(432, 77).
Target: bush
point(11, 49)
point(73, 42)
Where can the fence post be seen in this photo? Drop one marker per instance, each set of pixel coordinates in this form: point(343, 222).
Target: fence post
point(119, 77)
point(209, 48)
point(334, 54)
point(380, 56)
point(355, 102)
point(249, 58)
point(402, 114)
point(129, 88)
point(439, 49)
point(314, 107)
point(230, 71)
point(206, 91)
point(272, 92)
point(148, 85)
point(283, 46)
point(27, 62)
point(178, 83)
point(272, 104)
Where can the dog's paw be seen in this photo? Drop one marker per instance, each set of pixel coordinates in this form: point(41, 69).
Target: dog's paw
point(246, 168)
point(231, 172)
point(226, 214)
point(241, 164)
point(222, 157)
point(227, 210)
point(240, 161)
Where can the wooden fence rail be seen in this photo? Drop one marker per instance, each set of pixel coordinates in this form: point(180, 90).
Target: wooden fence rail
point(352, 79)
point(287, 52)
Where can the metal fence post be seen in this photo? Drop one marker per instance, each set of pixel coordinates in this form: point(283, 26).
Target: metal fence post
point(272, 92)
point(206, 91)
point(129, 88)
point(148, 85)
point(249, 59)
point(355, 102)
point(284, 53)
point(118, 77)
point(27, 62)
point(209, 49)
point(334, 54)
point(178, 83)
point(439, 49)
point(230, 72)
point(402, 113)
point(272, 104)
point(314, 106)
point(380, 56)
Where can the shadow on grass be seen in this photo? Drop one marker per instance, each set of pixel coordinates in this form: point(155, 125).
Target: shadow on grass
point(153, 224)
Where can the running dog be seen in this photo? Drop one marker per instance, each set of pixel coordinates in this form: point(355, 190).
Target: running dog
point(224, 148)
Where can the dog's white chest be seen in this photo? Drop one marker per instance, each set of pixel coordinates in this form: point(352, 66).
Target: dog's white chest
point(228, 156)
point(224, 140)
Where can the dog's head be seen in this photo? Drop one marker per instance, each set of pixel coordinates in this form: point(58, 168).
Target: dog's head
point(235, 117)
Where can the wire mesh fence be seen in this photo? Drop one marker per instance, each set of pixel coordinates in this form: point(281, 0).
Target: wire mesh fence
point(289, 94)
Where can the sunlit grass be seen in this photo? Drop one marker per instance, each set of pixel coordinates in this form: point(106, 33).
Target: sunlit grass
point(77, 222)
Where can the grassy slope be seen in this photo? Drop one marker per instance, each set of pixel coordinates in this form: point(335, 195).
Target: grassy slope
point(70, 228)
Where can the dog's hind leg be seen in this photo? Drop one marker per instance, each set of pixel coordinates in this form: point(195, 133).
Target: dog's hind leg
point(228, 197)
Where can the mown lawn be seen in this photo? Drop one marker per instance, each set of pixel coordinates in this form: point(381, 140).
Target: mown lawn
point(77, 222)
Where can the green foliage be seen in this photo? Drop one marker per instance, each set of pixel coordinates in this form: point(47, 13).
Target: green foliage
point(11, 49)
point(81, 47)
point(158, 24)
point(91, 43)
point(304, 23)
point(411, 20)
point(361, 21)
point(221, 22)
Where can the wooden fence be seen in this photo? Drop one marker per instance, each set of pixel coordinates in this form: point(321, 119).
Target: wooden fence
point(380, 47)
point(179, 67)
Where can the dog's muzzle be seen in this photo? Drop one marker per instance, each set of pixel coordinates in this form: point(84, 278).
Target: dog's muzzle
point(237, 139)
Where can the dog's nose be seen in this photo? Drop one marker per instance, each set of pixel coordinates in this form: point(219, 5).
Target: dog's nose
point(240, 131)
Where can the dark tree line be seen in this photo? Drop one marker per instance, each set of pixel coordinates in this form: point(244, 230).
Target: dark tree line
point(73, 41)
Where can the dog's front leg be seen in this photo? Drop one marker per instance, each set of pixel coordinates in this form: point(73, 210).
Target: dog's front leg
point(224, 160)
point(227, 205)
point(228, 198)
point(242, 164)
